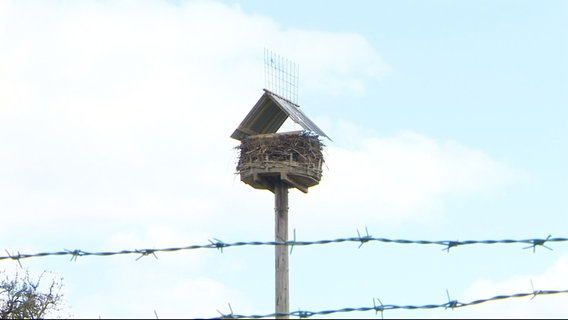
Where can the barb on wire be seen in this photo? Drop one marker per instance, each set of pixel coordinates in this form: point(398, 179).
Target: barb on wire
point(228, 316)
point(293, 242)
point(220, 245)
point(364, 239)
point(146, 252)
point(17, 258)
point(535, 292)
point(451, 303)
point(446, 305)
point(451, 244)
point(538, 242)
point(379, 308)
point(74, 254)
point(302, 314)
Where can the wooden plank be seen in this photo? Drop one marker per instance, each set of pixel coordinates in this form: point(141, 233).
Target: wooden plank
point(292, 182)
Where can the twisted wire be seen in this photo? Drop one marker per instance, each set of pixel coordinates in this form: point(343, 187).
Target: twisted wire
point(220, 245)
point(451, 304)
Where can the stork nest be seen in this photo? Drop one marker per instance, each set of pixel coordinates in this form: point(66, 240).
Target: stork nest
point(303, 148)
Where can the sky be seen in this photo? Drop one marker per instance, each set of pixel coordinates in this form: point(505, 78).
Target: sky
point(448, 120)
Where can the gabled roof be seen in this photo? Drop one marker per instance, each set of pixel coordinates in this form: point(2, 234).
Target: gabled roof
point(268, 115)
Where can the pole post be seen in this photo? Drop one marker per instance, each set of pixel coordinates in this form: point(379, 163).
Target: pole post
point(281, 251)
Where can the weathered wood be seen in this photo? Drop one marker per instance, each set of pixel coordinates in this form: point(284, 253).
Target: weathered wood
point(281, 251)
point(293, 157)
point(263, 177)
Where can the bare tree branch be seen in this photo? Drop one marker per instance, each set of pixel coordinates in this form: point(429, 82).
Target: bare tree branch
point(22, 297)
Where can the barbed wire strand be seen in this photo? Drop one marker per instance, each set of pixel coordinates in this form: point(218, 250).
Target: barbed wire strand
point(451, 304)
point(220, 245)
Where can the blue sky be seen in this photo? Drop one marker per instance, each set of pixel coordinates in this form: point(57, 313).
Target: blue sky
point(448, 118)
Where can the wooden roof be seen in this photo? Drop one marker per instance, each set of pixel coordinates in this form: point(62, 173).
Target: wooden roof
point(268, 115)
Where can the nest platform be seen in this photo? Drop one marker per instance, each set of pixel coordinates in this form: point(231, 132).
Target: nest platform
point(294, 158)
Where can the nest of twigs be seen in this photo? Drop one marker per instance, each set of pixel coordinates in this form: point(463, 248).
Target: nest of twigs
point(301, 148)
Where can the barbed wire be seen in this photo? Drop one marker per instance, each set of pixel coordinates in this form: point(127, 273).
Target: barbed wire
point(220, 245)
point(451, 304)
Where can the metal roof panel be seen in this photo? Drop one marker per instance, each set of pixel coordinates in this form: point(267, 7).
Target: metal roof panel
point(268, 115)
point(297, 115)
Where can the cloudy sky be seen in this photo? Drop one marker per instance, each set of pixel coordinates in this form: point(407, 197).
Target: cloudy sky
point(449, 121)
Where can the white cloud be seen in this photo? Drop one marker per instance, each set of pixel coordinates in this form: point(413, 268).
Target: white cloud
point(117, 110)
point(351, 56)
point(398, 178)
point(139, 295)
point(543, 306)
point(175, 284)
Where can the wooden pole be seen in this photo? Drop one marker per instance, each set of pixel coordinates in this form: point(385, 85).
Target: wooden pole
point(281, 253)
